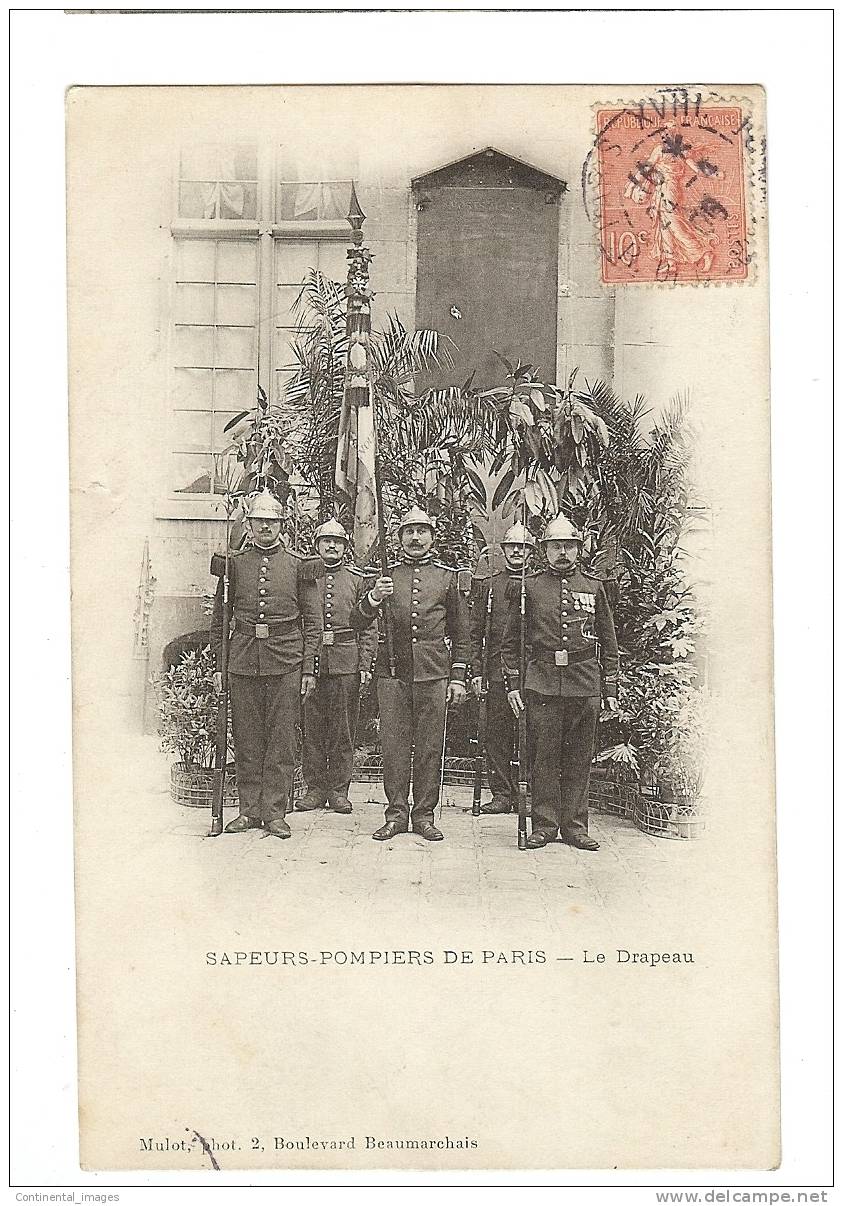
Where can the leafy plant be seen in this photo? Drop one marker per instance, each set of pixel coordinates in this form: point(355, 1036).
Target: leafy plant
point(424, 439)
point(188, 709)
point(638, 514)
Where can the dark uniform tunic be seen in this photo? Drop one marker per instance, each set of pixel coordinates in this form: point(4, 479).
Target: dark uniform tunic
point(330, 715)
point(431, 646)
point(274, 640)
point(500, 722)
point(569, 623)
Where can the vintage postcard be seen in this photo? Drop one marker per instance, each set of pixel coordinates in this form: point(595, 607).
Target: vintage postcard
point(422, 673)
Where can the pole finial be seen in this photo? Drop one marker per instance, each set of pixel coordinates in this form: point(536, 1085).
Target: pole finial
point(356, 217)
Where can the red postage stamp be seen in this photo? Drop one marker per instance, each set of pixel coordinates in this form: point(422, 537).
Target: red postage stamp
point(672, 195)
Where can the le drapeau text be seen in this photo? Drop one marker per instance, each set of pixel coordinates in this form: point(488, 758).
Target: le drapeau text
point(619, 956)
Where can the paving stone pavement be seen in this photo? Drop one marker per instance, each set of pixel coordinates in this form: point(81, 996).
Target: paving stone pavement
point(477, 874)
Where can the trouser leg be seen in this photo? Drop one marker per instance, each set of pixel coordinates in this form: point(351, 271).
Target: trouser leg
point(500, 735)
point(544, 719)
point(343, 707)
point(579, 723)
point(395, 706)
point(314, 759)
point(281, 709)
point(246, 694)
point(428, 737)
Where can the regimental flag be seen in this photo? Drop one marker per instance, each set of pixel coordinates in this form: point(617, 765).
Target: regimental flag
point(355, 471)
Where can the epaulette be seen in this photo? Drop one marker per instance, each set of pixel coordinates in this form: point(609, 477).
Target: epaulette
point(310, 568)
point(442, 565)
point(358, 573)
point(218, 561)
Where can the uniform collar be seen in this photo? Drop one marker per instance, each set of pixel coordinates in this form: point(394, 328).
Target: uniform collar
point(564, 571)
point(426, 560)
point(268, 552)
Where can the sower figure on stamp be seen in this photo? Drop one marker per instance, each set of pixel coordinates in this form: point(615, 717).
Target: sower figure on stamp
point(344, 665)
point(276, 622)
point(568, 620)
point(428, 611)
point(488, 624)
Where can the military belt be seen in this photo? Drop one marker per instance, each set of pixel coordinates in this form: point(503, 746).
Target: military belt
point(263, 631)
point(563, 657)
point(338, 636)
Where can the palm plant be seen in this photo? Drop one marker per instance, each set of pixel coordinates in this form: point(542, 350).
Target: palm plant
point(638, 512)
point(425, 439)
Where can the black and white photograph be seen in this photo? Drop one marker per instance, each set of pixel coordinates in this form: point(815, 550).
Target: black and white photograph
point(424, 805)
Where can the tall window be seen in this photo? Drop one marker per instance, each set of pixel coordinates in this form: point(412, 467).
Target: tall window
point(244, 238)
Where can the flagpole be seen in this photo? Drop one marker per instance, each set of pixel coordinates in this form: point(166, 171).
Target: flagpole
point(358, 329)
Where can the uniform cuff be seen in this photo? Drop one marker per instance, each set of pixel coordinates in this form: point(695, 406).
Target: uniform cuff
point(369, 604)
point(610, 690)
point(458, 670)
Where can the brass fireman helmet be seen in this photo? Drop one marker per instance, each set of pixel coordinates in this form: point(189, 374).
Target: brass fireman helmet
point(264, 506)
point(331, 527)
point(561, 528)
point(416, 515)
point(518, 534)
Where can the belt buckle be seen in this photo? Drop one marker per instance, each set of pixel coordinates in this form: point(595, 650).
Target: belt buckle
point(261, 631)
point(327, 638)
point(560, 656)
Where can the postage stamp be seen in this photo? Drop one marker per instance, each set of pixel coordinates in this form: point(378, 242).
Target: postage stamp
point(672, 194)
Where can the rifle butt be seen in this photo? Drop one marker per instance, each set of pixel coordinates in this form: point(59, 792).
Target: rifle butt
point(522, 782)
point(220, 761)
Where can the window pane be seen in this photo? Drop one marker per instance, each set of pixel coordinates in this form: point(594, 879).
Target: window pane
point(235, 390)
point(194, 346)
point(285, 296)
point(283, 350)
point(192, 389)
point(237, 261)
point(282, 380)
point(237, 201)
point(194, 303)
point(194, 260)
point(333, 261)
point(191, 430)
point(236, 347)
point(197, 201)
point(213, 199)
point(293, 258)
point(192, 474)
point(236, 304)
point(221, 438)
point(311, 201)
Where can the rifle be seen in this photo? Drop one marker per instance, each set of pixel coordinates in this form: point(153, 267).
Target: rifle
point(220, 567)
point(479, 740)
point(522, 716)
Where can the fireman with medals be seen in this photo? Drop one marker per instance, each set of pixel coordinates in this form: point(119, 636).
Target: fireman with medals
point(572, 663)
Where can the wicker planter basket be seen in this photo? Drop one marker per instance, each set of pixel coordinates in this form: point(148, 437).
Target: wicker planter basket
point(668, 817)
point(193, 786)
point(459, 772)
point(607, 793)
